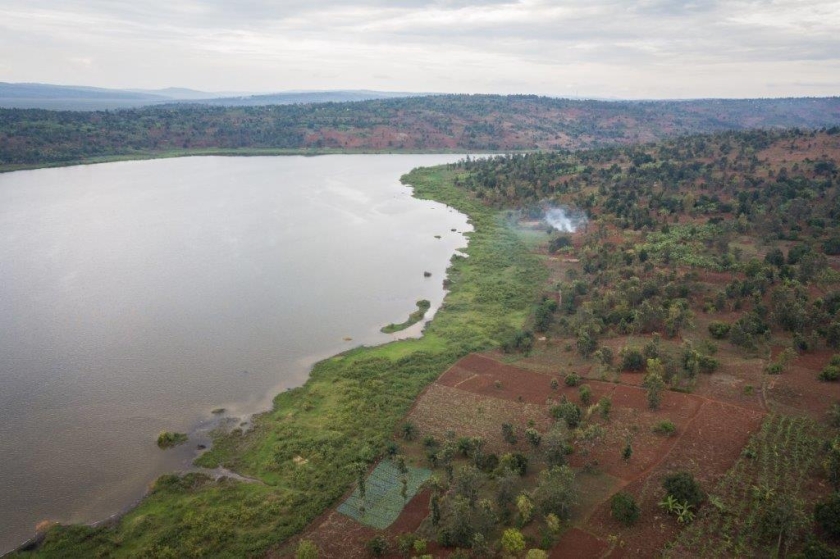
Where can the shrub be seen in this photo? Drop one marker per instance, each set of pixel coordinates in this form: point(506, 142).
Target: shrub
point(508, 433)
point(521, 341)
point(706, 364)
point(572, 379)
point(513, 541)
point(719, 330)
point(514, 462)
point(624, 508)
point(665, 427)
point(585, 394)
point(632, 360)
point(378, 546)
point(533, 436)
point(605, 407)
point(168, 440)
point(684, 488)
point(827, 515)
point(306, 550)
point(568, 412)
point(830, 373)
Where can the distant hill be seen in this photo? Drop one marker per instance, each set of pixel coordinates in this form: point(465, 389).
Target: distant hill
point(294, 97)
point(82, 98)
point(477, 123)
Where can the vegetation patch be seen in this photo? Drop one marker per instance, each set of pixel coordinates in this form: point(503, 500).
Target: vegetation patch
point(759, 507)
point(167, 439)
point(413, 318)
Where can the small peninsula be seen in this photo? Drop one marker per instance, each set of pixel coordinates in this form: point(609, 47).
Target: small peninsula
point(415, 317)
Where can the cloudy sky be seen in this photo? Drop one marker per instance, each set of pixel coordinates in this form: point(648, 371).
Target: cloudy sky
point(601, 48)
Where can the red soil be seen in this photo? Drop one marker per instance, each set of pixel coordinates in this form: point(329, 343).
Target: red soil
point(577, 544)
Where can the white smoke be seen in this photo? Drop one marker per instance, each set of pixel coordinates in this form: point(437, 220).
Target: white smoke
point(565, 219)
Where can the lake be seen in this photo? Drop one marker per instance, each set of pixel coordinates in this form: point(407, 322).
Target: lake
point(138, 297)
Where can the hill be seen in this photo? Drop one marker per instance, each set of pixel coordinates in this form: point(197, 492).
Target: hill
point(82, 98)
point(432, 123)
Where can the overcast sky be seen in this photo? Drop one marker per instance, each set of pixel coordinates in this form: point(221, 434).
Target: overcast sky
point(601, 48)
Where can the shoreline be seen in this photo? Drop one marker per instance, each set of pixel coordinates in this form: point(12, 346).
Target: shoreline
point(240, 152)
point(203, 433)
point(345, 411)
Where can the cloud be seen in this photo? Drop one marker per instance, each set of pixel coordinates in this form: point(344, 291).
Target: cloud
point(645, 48)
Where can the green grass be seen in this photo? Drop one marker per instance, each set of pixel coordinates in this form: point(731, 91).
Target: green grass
point(345, 413)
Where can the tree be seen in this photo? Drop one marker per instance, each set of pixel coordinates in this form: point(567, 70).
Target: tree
point(466, 483)
point(683, 488)
point(654, 383)
point(627, 451)
point(624, 508)
point(585, 394)
point(409, 431)
point(533, 436)
point(525, 507)
point(555, 493)
point(832, 463)
point(513, 541)
point(604, 407)
point(554, 447)
point(827, 515)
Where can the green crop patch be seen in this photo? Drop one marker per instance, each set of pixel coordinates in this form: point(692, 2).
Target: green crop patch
point(384, 495)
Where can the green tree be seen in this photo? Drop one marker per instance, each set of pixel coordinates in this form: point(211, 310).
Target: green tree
point(555, 493)
point(513, 541)
point(624, 508)
point(683, 488)
point(654, 383)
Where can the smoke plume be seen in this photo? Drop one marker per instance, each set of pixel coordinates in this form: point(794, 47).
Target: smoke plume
point(565, 219)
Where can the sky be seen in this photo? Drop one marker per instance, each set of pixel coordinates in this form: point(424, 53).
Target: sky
point(587, 48)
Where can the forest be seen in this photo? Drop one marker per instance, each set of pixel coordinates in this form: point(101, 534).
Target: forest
point(483, 123)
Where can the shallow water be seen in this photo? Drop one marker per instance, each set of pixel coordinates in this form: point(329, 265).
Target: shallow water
point(136, 297)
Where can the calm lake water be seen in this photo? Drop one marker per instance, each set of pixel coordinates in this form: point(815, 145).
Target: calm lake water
point(138, 297)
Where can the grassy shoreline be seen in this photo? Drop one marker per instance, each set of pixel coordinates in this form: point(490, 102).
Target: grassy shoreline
point(344, 413)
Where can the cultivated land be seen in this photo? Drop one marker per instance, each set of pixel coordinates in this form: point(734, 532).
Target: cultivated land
point(688, 328)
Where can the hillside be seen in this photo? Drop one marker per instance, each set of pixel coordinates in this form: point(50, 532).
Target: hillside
point(434, 123)
point(664, 379)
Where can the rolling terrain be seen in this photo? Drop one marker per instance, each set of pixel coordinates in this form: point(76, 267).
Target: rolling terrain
point(479, 123)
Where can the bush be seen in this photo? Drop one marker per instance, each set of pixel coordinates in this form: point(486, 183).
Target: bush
point(514, 462)
point(513, 541)
point(306, 550)
point(168, 440)
point(632, 360)
point(665, 427)
point(378, 546)
point(830, 373)
point(585, 394)
point(521, 341)
point(719, 330)
point(568, 412)
point(684, 488)
point(827, 515)
point(624, 508)
point(572, 379)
